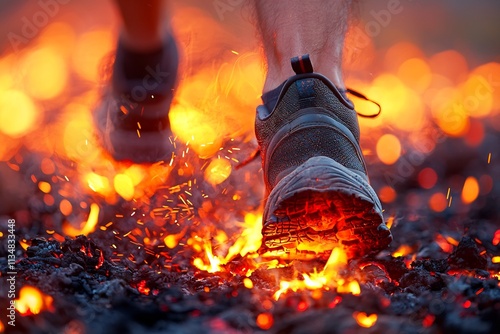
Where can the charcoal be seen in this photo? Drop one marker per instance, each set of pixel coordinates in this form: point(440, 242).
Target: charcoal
point(467, 255)
point(112, 281)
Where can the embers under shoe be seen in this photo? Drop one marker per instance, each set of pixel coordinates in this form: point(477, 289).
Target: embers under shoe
point(315, 174)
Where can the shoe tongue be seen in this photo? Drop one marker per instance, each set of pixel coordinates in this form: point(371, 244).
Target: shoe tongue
point(270, 99)
point(300, 65)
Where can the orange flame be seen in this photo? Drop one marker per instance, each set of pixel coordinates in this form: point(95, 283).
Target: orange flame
point(89, 225)
point(32, 301)
point(325, 279)
point(24, 244)
point(249, 241)
point(403, 250)
point(214, 262)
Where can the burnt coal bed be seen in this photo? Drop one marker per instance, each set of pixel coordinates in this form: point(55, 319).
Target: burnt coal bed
point(440, 275)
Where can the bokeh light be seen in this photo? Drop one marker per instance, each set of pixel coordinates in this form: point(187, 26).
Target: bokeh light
point(45, 73)
point(438, 202)
point(416, 74)
point(18, 113)
point(470, 190)
point(387, 194)
point(427, 178)
point(90, 51)
point(388, 149)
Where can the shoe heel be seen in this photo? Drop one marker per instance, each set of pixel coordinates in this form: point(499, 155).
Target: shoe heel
point(321, 205)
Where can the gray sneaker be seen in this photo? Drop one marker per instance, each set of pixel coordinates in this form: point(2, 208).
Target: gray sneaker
point(132, 117)
point(315, 174)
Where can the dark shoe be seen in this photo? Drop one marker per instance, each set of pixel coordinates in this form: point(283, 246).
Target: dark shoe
point(315, 174)
point(132, 118)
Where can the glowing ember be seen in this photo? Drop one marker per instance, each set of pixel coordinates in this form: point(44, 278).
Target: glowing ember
point(452, 241)
point(428, 320)
point(335, 302)
point(351, 287)
point(24, 244)
point(496, 238)
point(444, 244)
point(247, 282)
point(142, 288)
point(365, 320)
point(100, 261)
point(32, 301)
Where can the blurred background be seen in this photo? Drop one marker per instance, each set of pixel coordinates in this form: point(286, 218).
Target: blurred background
point(434, 66)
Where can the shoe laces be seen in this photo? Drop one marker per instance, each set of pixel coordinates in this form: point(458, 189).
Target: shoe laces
point(253, 156)
point(363, 97)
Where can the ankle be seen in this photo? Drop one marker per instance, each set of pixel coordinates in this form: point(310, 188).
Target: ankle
point(280, 72)
point(142, 43)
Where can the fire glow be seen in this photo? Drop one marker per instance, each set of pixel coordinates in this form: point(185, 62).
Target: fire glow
point(325, 279)
point(248, 242)
point(416, 94)
point(88, 226)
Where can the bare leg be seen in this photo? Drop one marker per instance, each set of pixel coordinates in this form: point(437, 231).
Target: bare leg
point(144, 23)
point(295, 27)
point(133, 115)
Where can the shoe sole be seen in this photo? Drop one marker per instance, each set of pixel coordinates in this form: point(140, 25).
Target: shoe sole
point(319, 206)
point(148, 148)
